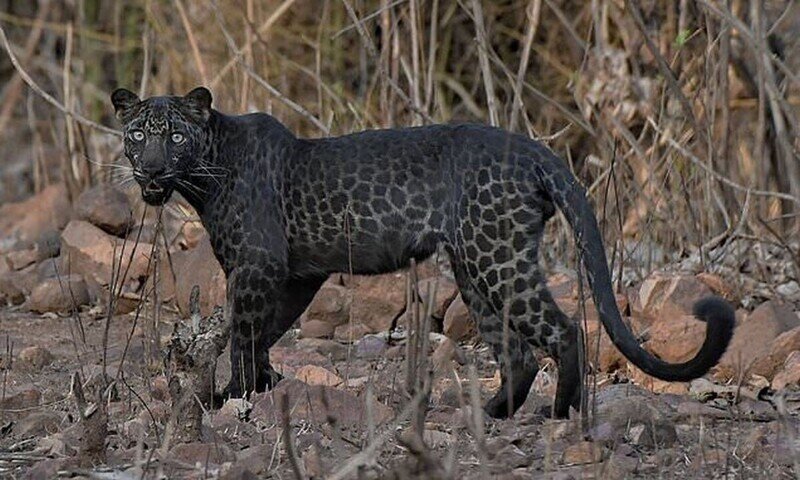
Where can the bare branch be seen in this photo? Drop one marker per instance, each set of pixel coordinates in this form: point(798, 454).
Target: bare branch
point(46, 96)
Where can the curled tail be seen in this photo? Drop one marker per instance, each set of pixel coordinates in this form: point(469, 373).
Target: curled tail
point(570, 196)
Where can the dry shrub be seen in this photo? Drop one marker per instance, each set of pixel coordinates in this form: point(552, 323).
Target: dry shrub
point(679, 116)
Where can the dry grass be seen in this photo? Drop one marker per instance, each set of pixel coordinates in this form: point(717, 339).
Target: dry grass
point(680, 117)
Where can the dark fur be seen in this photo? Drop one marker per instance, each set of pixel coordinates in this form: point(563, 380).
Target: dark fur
point(283, 213)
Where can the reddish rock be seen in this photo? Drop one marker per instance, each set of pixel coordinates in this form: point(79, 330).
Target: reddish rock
point(90, 251)
point(145, 232)
point(327, 348)
point(433, 266)
point(674, 335)
point(508, 456)
point(676, 338)
point(625, 406)
point(653, 289)
point(789, 376)
point(19, 259)
point(50, 267)
point(571, 306)
point(316, 329)
point(159, 388)
point(288, 361)
point(35, 358)
point(351, 332)
point(600, 351)
point(653, 435)
point(107, 207)
point(27, 253)
point(38, 424)
point(446, 292)
point(59, 294)
point(582, 453)
point(566, 293)
point(22, 400)
point(10, 292)
point(156, 410)
point(199, 267)
point(779, 351)
point(25, 280)
point(718, 286)
point(331, 305)
point(29, 219)
point(655, 385)
point(620, 465)
point(671, 296)
point(437, 438)
point(458, 323)
point(316, 375)
point(315, 403)
point(202, 453)
point(256, 459)
point(562, 285)
point(753, 339)
point(703, 458)
point(231, 414)
point(377, 300)
point(192, 234)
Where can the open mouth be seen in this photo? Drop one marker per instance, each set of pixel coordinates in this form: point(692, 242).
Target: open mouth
point(155, 194)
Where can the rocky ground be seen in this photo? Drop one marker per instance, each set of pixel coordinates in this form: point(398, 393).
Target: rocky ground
point(89, 370)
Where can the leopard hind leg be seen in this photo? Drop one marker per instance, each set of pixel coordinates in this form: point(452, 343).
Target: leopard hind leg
point(511, 291)
point(546, 327)
point(518, 365)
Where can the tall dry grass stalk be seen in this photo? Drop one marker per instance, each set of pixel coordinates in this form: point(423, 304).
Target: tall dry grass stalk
point(690, 106)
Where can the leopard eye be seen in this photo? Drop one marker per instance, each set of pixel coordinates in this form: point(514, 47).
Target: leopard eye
point(136, 135)
point(177, 138)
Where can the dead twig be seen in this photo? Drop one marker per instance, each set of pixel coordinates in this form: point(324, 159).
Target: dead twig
point(692, 158)
point(288, 442)
point(13, 88)
point(198, 59)
point(93, 419)
point(262, 30)
point(192, 357)
point(46, 96)
point(239, 57)
point(483, 59)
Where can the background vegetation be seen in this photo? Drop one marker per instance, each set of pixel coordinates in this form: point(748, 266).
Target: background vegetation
point(680, 116)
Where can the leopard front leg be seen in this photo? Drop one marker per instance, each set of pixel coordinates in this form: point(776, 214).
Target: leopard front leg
point(264, 307)
point(252, 303)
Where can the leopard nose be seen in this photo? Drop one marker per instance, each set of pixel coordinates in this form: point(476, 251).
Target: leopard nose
point(153, 170)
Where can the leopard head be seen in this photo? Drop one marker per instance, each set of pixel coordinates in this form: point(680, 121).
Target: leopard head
point(166, 139)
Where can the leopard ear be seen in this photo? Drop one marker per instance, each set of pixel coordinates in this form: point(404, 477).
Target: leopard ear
point(199, 102)
point(123, 100)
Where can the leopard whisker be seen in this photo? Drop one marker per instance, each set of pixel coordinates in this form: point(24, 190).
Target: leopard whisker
point(207, 174)
point(125, 183)
point(106, 165)
point(209, 166)
point(190, 187)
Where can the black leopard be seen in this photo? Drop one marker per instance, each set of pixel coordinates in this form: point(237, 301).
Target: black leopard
point(283, 213)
